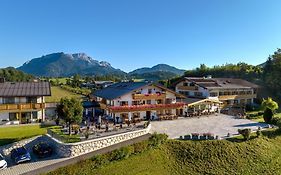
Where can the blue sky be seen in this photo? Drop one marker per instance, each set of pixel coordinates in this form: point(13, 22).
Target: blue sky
point(136, 33)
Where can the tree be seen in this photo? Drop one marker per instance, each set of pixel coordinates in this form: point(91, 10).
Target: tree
point(246, 133)
point(268, 115)
point(70, 110)
point(269, 103)
point(76, 81)
point(272, 73)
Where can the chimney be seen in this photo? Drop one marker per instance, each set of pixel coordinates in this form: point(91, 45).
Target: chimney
point(2, 80)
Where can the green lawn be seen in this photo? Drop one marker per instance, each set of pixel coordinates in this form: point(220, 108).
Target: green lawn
point(65, 137)
point(256, 156)
point(58, 93)
point(15, 133)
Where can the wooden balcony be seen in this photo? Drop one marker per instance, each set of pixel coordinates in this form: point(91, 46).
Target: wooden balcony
point(190, 88)
point(23, 106)
point(147, 107)
point(148, 96)
point(234, 97)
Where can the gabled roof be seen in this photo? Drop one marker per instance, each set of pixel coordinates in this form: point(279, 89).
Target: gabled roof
point(119, 89)
point(220, 83)
point(25, 89)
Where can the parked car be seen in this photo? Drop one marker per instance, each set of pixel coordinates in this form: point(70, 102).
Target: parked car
point(42, 150)
point(3, 163)
point(20, 155)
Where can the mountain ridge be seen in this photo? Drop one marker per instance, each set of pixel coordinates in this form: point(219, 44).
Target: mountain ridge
point(65, 64)
point(61, 64)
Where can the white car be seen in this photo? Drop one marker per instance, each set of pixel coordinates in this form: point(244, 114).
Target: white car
point(3, 163)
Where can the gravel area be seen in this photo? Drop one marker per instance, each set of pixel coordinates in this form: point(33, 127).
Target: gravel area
point(219, 124)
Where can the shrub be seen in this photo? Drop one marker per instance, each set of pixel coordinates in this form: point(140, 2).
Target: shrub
point(122, 153)
point(146, 124)
point(157, 139)
point(100, 159)
point(140, 147)
point(259, 133)
point(268, 114)
point(245, 133)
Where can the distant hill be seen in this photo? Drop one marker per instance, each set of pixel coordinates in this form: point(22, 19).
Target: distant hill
point(158, 72)
point(61, 64)
point(158, 68)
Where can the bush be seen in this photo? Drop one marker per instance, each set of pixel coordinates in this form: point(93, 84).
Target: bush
point(259, 133)
point(140, 147)
point(268, 114)
point(100, 159)
point(246, 133)
point(157, 139)
point(122, 153)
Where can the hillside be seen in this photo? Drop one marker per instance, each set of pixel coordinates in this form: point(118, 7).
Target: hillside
point(61, 64)
point(157, 72)
point(154, 76)
point(256, 156)
point(12, 74)
point(158, 68)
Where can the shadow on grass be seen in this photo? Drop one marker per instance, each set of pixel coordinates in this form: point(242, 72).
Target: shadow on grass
point(239, 139)
point(270, 133)
point(7, 141)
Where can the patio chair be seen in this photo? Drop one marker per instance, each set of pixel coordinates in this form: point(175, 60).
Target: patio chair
point(187, 137)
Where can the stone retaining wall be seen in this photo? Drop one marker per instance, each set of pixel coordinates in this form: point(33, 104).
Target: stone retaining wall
point(6, 149)
point(75, 149)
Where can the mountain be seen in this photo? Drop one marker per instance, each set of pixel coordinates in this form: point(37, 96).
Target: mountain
point(158, 68)
point(157, 72)
point(61, 64)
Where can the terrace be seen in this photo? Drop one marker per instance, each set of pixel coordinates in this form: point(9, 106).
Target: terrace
point(145, 107)
point(149, 96)
point(24, 106)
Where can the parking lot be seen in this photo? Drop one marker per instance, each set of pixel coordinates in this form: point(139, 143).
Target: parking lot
point(219, 125)
point(35, 163)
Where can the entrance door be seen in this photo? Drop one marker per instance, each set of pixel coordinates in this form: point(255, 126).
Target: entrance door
point(148, 114)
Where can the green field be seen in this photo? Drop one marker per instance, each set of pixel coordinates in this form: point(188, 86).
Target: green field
point(58, 93)
point(16, 133)
point(256, 156)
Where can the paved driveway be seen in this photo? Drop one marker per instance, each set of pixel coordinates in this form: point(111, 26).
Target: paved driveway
point(219, 125)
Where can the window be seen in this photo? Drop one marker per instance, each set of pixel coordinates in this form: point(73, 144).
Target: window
point(213, 94)
point(123, 103)
point(149, 91)
point(31, 100)
point(135, 102)
point(185, 84)
point(34, 115)
point(148, 101)
point(12, 116)
point(198, 94)
point(9, 100)
point(186, 93)
point(159, 102)
point(249, 101)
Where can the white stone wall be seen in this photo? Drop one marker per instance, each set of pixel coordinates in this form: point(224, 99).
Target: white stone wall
point(74, 149)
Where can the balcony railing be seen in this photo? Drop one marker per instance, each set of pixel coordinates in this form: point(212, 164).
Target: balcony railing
point(24, 106)
point(149, 96)
point(146, 107)
point(233, 97)
point(191, 88)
